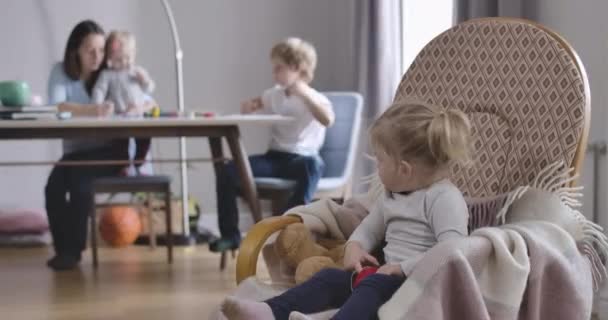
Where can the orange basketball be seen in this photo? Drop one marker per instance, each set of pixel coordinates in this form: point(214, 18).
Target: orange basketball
point(119, 226)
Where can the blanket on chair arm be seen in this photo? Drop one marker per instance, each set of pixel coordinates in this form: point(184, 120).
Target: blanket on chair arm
point(529, 270)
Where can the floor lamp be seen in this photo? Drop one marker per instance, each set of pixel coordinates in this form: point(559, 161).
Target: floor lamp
point(180, 104)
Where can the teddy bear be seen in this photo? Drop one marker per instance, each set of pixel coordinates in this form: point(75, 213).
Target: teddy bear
point(306, 254)
point(297, 247)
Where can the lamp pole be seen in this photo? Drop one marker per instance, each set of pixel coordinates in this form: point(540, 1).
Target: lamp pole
point(179, 54)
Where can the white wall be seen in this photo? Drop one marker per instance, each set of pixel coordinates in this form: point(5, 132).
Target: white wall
point(226, 45)
point(583, 24)
point(418, 26)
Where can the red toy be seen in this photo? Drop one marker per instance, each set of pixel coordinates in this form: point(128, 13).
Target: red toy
point(358, 277)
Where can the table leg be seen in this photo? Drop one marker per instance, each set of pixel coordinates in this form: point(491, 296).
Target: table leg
point(239, 155)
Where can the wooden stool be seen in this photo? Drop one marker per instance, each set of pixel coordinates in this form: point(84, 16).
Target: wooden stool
point(149, 184)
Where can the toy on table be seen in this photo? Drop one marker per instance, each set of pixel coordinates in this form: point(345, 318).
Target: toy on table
point(204, 114)
point(155, 112)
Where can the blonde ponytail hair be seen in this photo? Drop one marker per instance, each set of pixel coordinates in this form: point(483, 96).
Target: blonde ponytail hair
point(411, 130)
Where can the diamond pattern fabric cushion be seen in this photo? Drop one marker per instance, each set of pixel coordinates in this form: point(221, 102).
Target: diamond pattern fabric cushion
point(523, 90)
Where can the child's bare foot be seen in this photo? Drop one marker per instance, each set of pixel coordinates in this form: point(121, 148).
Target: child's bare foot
point(237, 309)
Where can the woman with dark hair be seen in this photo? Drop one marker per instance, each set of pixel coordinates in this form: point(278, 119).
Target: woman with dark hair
point(69, 198)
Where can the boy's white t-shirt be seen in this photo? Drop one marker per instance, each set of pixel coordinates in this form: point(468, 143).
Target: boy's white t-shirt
point(304, 135)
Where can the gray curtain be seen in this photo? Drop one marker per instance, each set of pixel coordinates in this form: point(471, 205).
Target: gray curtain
point(378, 41)
point(378, 66)
point(470, 9)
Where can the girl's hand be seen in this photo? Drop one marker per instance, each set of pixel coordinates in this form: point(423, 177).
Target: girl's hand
point(391, 269)
point(251, 106)
point(355, 257)
point(105, 109)
point(142, 76)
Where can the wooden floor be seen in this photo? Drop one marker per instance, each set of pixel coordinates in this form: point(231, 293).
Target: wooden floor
point(131, 283)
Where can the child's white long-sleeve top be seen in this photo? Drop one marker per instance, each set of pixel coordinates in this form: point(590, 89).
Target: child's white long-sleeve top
point(412, 224)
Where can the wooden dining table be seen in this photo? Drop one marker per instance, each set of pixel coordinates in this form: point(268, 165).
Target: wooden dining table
point(215, 128)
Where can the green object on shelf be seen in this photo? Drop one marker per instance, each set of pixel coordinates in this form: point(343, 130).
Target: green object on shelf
point(15, 93)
